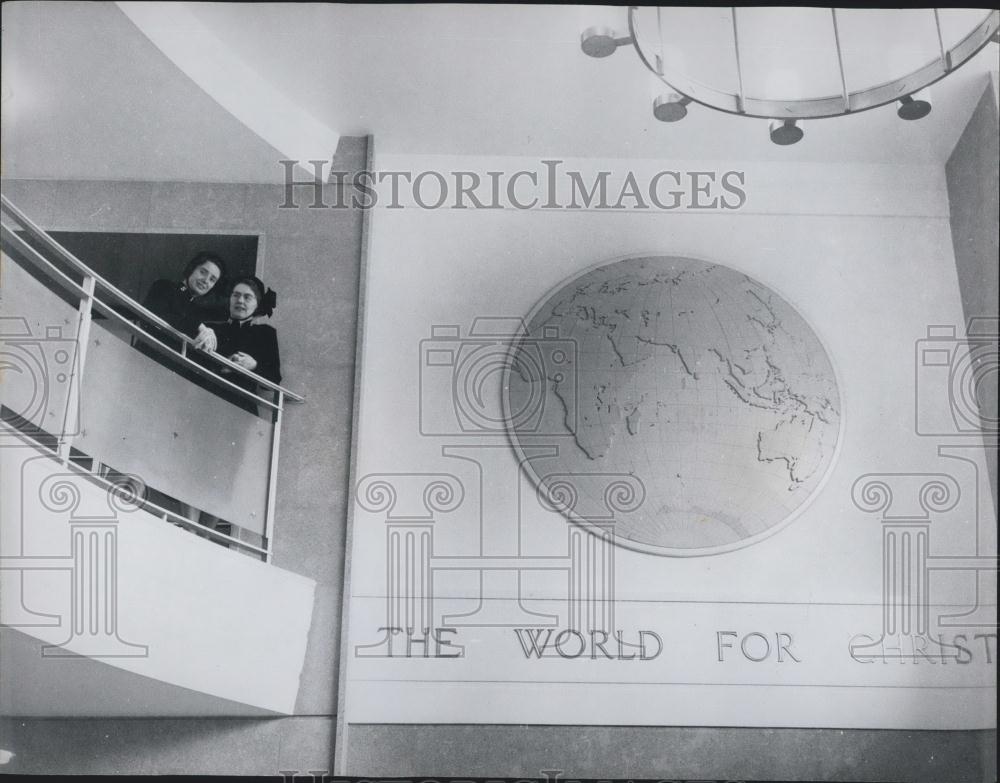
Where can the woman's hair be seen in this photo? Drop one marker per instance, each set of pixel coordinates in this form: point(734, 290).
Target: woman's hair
point(267, 299)
point(201, 258)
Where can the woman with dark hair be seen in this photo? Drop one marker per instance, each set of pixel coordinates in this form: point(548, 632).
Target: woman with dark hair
point(252, 346)
point(184, 304)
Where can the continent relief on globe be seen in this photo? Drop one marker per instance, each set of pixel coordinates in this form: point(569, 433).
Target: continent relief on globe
point(697, 380)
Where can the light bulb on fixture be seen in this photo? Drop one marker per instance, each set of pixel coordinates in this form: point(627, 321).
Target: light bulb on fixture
point(602, 41)
point(785, 132)
point(670, 107)
point(773, 75)
point(915, 106)
point(602, 37)
point(668, 104)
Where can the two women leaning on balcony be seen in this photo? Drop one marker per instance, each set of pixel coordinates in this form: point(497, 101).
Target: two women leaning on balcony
point(186, 305)
point(254, 347)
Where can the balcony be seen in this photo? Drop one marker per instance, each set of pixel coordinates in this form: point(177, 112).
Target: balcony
point(117, 440)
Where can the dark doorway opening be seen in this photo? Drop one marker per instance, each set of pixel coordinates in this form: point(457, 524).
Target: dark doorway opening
point(133, 262)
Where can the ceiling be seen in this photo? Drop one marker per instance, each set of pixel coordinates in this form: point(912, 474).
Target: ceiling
point(87, 95)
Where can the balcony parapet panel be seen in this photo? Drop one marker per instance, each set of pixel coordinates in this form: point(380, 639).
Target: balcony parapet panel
point(166, 413)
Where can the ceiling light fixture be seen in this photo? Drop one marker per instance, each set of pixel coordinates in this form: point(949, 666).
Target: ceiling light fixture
point(911, 108)
point(785, 132)
point(670, 107)
point(793, 64)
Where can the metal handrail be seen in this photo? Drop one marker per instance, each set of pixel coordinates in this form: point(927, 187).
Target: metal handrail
point(161, 347)
point(819, 107)
point(40, 235)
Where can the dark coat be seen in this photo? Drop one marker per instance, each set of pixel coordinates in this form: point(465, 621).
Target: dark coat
point(257, 340)
point(174, 303)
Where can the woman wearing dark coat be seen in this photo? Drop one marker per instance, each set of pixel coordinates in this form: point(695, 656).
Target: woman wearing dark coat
point(252, 346)
point(184, 304)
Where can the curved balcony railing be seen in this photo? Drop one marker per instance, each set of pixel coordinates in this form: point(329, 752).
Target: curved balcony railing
point(168, 413)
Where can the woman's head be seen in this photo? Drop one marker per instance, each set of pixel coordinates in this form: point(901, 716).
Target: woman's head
point(203, 272)
point(248, 298)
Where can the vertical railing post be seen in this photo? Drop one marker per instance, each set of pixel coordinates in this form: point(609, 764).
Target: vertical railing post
point(71, 417)
point(272, 477)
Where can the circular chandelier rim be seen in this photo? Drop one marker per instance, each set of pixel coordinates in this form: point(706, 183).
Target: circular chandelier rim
point(822, 108)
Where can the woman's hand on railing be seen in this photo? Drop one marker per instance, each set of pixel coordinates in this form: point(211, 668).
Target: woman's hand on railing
point(206, 339)
point(244, 360)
